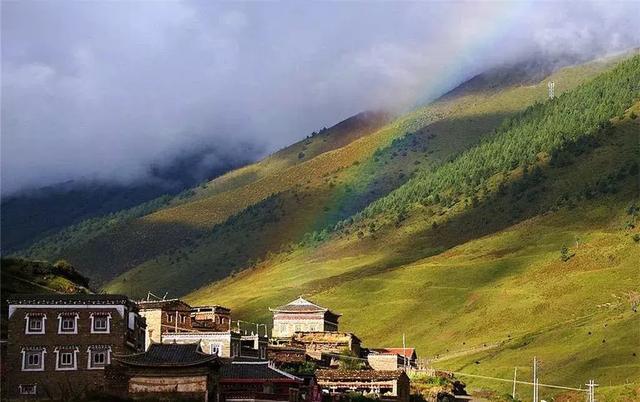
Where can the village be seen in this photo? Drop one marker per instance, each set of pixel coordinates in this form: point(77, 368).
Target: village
point(71, 346)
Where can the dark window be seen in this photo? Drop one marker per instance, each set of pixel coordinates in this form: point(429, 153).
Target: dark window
point(66, 358)
point(98, 357)
point(36, 324)
point(33, 360)
point(100, 323)
point(68, 324)
point(27, 389)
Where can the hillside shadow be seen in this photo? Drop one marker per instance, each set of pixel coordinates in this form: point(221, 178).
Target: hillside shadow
point(111, 254)
point(538, 193)
point(392, 166)
point(138, 242)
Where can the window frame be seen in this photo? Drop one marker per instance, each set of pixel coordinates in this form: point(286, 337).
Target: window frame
point(33, 352)
point(61, 320)
point(94, 317)
point(63, 356)
point(21, 390)
point(74, 359)
point(132, 320)
point(219, 346)
point(92, 351)
point(29, 318)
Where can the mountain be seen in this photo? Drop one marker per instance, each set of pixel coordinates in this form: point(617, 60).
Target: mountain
point(31, 215)
point(490, 226)
point(524, 245)
point(169, 228)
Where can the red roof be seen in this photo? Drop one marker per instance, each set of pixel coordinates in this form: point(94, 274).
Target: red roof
point(406, 352)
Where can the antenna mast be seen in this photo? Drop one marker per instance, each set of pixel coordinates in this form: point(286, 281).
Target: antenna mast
point(551, 85)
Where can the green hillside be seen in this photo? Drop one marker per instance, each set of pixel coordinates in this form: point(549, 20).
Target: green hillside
point(19, 276)
point(104, 247)
point(525, 245)
point(490, 226)
point(237, 220)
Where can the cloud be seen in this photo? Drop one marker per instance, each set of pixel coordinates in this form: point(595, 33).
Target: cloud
point(103, 90)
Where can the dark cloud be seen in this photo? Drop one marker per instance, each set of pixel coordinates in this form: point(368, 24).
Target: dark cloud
point(103, 90)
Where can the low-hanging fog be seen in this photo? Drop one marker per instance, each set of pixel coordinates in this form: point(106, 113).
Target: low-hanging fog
point(103, 90)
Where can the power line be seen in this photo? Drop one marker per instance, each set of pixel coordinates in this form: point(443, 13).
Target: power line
point(476, 375)
point(517, 382)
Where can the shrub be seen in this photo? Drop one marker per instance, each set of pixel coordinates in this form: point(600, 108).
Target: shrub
point(565, 255)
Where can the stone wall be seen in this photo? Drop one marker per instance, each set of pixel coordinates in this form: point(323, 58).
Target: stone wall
point(228, 340)
point(384, 361)
point(154, 326)
point(193, 385)
point(51, 382)
point(285, 327)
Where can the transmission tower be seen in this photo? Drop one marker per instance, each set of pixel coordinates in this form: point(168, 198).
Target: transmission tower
point(551, 86)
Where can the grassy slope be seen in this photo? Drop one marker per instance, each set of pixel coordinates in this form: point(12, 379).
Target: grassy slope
point(319, 191)
point(135, 237)
point(485, 291)
point(28, 277)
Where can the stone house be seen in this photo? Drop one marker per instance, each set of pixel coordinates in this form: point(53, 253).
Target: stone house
point(254, 381)
point(165, 371)
point(214, 318)
point(227, 344)
point(387, 385)
point(222, 344)
point(58, 345)
point(165, 316)
point(286, 355)
point(331, 343)
point(392, 358)
point(302, 315)
point(253, 346)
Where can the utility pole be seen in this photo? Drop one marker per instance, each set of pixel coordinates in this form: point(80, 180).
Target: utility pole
point(404, 352)
point(515, 378)
point(535, 379)
point(591, 392)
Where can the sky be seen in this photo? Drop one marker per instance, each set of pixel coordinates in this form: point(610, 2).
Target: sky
point(102, 90)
